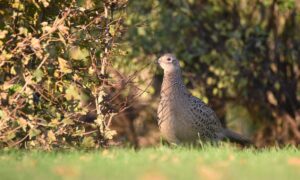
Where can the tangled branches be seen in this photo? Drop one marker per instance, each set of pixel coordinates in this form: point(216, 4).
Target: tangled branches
point(56, 68)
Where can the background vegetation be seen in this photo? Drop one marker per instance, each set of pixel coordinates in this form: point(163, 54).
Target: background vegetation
point(80, 73)
point(242, 57)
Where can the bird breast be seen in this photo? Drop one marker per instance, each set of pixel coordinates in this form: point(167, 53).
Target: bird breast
point(174, 119)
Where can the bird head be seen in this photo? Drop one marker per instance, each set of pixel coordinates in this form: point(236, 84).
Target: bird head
point(169, 63)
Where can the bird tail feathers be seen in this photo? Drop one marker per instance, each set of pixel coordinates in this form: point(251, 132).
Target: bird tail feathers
point(237, 138)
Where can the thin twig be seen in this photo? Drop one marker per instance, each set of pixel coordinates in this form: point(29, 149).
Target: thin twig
point(18, 142)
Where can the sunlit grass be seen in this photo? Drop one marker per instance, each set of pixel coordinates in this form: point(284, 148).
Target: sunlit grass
point(153, 163)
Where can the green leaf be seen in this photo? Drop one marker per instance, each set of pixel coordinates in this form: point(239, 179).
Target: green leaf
point(15, 88)
point(68, 121)
point(33, 132)
point(10, 136)
point(38, 74)
point(78, 53)
point(88, 142)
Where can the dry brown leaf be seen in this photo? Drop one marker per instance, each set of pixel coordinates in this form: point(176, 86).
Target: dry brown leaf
point(66, 171)
point(209, 173)
point(175, 160)
point(85, 158)
point(271, 98)
point(153, 175)
point(108, 154)
point(294, 161)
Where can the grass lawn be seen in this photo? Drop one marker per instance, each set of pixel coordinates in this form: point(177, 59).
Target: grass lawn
point(154, 163)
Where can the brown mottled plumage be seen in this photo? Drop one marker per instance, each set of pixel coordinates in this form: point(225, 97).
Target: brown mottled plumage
point(183, 118)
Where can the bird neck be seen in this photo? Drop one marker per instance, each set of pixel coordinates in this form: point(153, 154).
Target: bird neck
point(172, 82)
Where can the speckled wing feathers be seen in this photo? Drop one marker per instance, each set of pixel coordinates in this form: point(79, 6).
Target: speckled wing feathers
point(204, 119)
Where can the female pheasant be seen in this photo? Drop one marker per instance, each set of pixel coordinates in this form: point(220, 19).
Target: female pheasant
point(183, 118)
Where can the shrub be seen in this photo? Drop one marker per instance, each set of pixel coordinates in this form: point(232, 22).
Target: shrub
point(56, 67)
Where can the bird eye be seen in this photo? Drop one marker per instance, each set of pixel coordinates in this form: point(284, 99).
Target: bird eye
point(169, 59)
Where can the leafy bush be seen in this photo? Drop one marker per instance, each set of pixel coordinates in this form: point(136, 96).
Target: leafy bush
point(56, 67)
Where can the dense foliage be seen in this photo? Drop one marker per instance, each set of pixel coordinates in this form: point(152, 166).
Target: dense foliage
point(56, 68)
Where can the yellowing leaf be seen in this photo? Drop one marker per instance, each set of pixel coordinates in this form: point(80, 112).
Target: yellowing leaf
point(109, 134)
point(33, 132)
point(38, 74)
point(77, 53)
point(271, 98)
point(35, 43)
point(23, 30)
point(23, 123)
point(54, 122)
point(3, 34)
point(72, 93)
point(210, 81)
point(10, 136)
point(88, 142)
point(68, 121)
point(5, 56)
point(7, 85)
point(1, 47)
point(112, 30)
point(64, 66)
point(215, 91)
point(141, 31)
point(45, 3)
point(13, 70)
point(51, 136)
